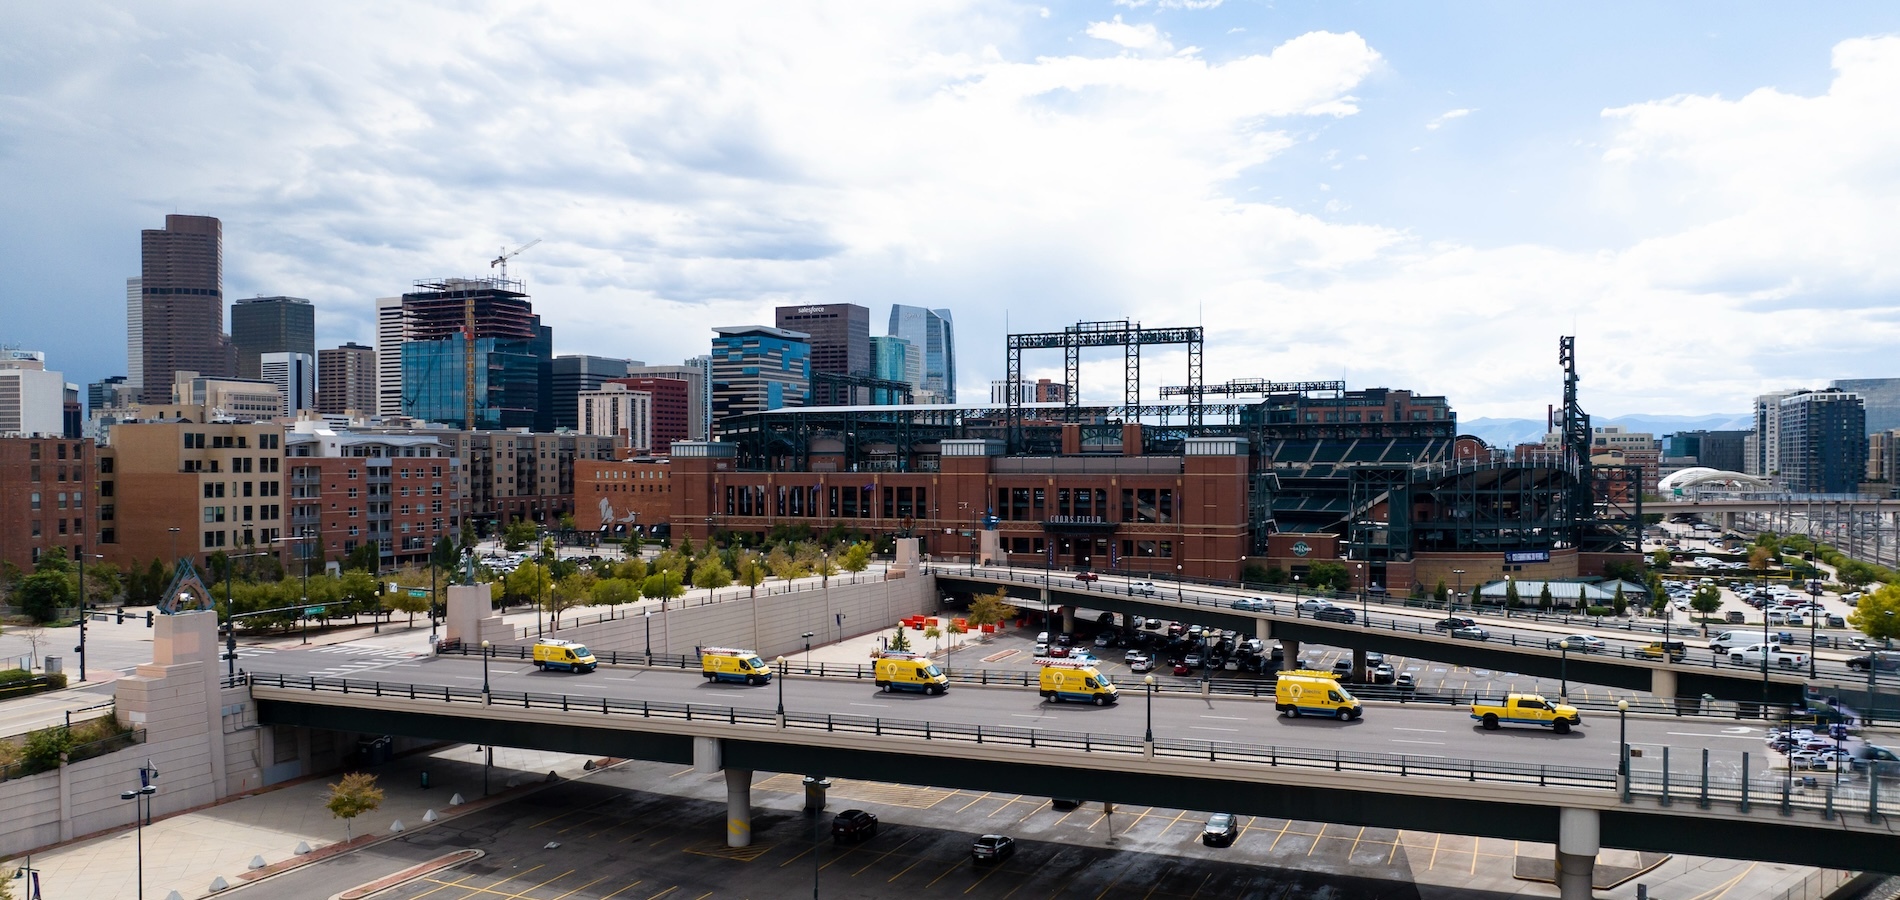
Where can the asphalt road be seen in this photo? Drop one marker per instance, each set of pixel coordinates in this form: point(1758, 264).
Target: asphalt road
point(1385, 728)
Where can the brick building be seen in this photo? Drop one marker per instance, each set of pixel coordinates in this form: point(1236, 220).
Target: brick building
point(672, 408)
point(347, 489)
point(612, 497)
point(47, 490)
point(191, 488)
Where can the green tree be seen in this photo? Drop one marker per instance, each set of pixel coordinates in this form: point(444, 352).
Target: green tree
point(1760, 559)
point(662, 585)
point(932, 632)
point(634, 544)
point(751, 573)
point(353, 796)
point(358, 588)
point(634, 570)
point(1328, 575)
point(855, 559)
point(1660, 559)
point(1878, 614)
point(711, 574)
point(518, 535)
point(156, 578)
point(991, 608)
point(1583, 597)
point(783, 565)
point(573, 589)
point(412, 582)
point(612, 592)
point(367, 557)
point(1706, 600)
point(1544, 598)
point(1511, 597)
point(529, 583)
point(42, 594)
point(1442, 593)
point(1621, 603)
point(899, 642)
point(567, 521)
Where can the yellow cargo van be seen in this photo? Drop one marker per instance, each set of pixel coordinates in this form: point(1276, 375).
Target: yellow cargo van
point(1074, 679)
point(905, 672)
point(565, 656)
point(727, 664)
point(1305, 692)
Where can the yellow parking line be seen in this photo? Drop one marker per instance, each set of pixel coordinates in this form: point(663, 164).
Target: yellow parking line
point(979, 799)
point(621, 891)
point(905, 870)
point(1276, 838)
point(581, 888)
point(880, 857)
point(1355, 844)
point(953, 867)
point(1316, 839)
point(679, 773)
point(1436, 838)
point(664, 893)
point(801, 853)
point(578, 824)
point(1172, 822)
point(505, 879)
point(517, 895)
point(444, 884)
point(986, 876)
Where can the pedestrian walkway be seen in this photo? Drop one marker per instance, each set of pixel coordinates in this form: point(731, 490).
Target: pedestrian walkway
point(186, 852)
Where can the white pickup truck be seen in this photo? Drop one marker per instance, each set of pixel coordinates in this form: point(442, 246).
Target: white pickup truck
point(1751, 655)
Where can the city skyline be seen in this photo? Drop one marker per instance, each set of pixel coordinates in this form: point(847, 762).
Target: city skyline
point(1302, 179)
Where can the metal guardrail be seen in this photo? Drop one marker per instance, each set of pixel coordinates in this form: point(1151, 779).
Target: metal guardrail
point(1024, 678)
point(1017, 736)
point(1693, 657)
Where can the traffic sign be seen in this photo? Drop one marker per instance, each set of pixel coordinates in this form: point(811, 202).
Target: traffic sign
point(418, 592)
point(312, 612)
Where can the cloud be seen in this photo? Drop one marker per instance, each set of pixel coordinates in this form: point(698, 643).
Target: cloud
point(1133, 37)
point(1447, 116)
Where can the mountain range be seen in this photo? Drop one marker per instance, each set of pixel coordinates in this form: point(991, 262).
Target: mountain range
point(1505, 433)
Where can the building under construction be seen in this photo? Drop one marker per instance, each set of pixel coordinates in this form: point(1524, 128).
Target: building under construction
point(1268, 474)
point(476, 356)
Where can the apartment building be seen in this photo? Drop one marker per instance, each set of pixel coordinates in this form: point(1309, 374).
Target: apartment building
point(187, 487)
point(400, 492)
point(47, 489)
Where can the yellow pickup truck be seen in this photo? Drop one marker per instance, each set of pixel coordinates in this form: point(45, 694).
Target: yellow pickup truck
point(1525, 709)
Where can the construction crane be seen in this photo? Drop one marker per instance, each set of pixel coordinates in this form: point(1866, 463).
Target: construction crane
point(468, 334)
point(505, 256)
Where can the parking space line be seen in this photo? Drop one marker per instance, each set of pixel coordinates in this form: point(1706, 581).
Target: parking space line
point(986, 876)
point(623, 890)
point(1436, 838)
point(635, 834)
point(979, 799)
point(518, 894)
point(581, 888)
point(881, 857)
point(664, 893)
point(443, 884)
point(953, 867)
point(581, 822)
point(1276, 838)
point(901, 872)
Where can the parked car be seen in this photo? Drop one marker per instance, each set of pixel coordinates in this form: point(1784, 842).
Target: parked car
point(1192, 660)
point(853, 825)
point(1140, 663)
point(1406, 682)
point(1383, 673)
point(1182, 668)
point(1042, 648)
point(1104, 639)
point(1734, 617)
point(1221, 830)
point(1471, 633)
point(1342, 668)
point(993, 848)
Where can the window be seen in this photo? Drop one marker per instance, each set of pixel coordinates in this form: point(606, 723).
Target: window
point(105, 465)
point(33, 451)
point(33, 501)
point(33, 473)
point(247, 489)
point(105, 488)
point(211, 537)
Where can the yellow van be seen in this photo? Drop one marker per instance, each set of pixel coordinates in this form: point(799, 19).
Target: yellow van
point(564, 656)
point(727, 664)
point(1074, 679)
point(904, 672)
point(1312, 693)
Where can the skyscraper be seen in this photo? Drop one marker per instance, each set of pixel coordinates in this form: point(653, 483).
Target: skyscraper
point(179, 319)
point(1823, 442)
point(930, 331)
point(1881, 399)
point(1764, 452)
point(696, 374)
point(32, 400)
point(295, 375)
point(756, 368)
point(391, 331)
point(840, 335)
point(512, 369)
point(271, 325)
point(346, 379)
point(574, 374)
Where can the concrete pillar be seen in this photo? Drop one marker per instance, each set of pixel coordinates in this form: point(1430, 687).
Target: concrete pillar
point(1068, 620)
point(1292, 657)
point(1662, 683)
point(1358, 667)
point(706, 755)
point(989, 549)
point(465, 606)
point(738, 807)
point(815, 788)
point(1579, 836)
point(1263, 629)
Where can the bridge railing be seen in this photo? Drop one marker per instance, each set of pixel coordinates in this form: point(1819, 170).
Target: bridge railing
point(1760, 781)
point(1218, 686)
point(1279, 605)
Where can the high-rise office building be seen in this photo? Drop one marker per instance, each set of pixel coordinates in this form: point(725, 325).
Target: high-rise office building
point(180, 312)
point(512, 368)
point(840, 335)
point(32, 400)
point(696, 373)
point(891, 361)
point(1764, 452)
point(263, 325)
point(930, 331)
point(391, 332)
point(1822, 444)
point(575, 374)
point(1880, 397)
point(615, 411)
point(107, 393)
point(346, 379)
point(756, 368)
point(670, 409)
point(295, 375)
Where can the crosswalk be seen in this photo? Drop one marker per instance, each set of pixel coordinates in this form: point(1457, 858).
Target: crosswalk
point(347, 658)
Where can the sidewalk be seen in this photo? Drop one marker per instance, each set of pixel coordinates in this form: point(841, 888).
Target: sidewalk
point(185, 852)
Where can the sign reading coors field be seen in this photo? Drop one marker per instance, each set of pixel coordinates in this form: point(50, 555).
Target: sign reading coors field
point(1526, 556)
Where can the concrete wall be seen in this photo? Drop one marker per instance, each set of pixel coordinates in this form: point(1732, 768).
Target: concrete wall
point(771, 625)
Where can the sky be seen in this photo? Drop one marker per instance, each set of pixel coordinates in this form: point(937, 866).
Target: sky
point(1408, 195)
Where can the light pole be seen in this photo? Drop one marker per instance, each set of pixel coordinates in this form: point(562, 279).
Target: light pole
point(648, 616)
point(1873, 666)
point(485, 673)
point(541, 582)
point(781, 691)
point(174, 532)
point(1623, 746)
point(824, 572)
point(303, 536)
point(1563, 669)
point(84, 613)
point(1177, 582)
point(141, 801)
point(1148, 685)
point(1461, 589)
point(1814, 619)
point(807, 636)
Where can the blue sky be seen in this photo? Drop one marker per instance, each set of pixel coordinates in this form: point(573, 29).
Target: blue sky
point(1415, 195)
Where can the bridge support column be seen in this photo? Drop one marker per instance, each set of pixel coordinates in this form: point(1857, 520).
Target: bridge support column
point(1358, 667)
point(1263, 629)
point(815, 788)
point(1662, 683)
point(738, 807)
point(706, 755)
point(1068, 620)
point(1290, 660)
point(1579, 836)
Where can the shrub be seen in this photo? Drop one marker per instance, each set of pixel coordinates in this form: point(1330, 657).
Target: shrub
point(1601, 611)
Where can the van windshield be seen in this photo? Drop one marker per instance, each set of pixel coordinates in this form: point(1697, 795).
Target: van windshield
point(932, 671)
point(753, 662)
point(1347, 696)
point(579, 650)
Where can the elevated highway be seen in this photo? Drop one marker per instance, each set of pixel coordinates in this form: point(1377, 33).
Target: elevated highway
point(1427, 769)
point(1515, 644)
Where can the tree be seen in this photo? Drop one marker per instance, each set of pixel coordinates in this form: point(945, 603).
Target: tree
point(751, 573)
point(570, 590)
point(42, 595)
point(355, 795)
point(1583, 597)
point(855, 559)
point(1621, 603)
point(1706, 600)
point(567, 521)
point(711, 574)
point(953, 630)
point(663, 585)
point(989, 609)
point(367, 557)
point(1442, 593)
point(1327, 575)
point(1544, 599)
point(517, 535)
point(1878, 614)
point(932, 632)
point(1760, 559)
point(156, 578)
point(357, 588)
point(412, 583)
point(634, 543)
point(899, 642)
point(1661, 558)
point(529, 582)
point(783, 565)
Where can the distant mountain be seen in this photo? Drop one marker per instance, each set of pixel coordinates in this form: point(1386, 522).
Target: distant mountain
point(1511, 432)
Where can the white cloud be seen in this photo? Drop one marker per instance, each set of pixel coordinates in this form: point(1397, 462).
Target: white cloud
point(1447, 116)
point(1133, 37)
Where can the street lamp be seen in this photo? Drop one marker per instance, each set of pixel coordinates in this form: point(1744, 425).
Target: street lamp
point(174, 532)
point(1148, 684)
point(1563, 669)
point(1623, 746)
point(648, 616)
point(1873, 666)
point(484, 673)
point(781, 691)
point(1814, 619)
point(304, 537)
point(141, 802)
point(807, 636)
point(83, 608)
point(1177, 582)
point(1461, 589)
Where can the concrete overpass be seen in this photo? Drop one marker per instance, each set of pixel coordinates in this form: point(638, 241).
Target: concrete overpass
point(1389, 626)
point(1578, 807)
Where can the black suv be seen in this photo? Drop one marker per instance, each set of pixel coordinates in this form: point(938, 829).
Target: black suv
point(993, 848)
point(1221, 830)
point(1335, 614)
point(853, 825)
point(1452, 623)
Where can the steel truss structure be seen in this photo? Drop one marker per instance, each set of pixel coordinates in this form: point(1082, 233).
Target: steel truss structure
point(1129, 336)
point(834, 389)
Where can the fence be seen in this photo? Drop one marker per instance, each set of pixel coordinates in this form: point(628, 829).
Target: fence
point(1715, 777)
